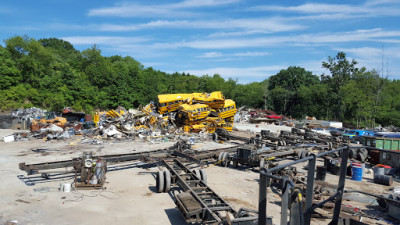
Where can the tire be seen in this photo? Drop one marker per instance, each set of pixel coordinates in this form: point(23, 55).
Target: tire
point(235, 164)
point(160, 181)
point(167, 181)
point(227, 163)
point(215, 137)
point(225, 156)
point(203, 176)
point(220, 156)
point(225, 159)
point(300, 154)
point(303, 154)
point(197, 172)
point(352, 154)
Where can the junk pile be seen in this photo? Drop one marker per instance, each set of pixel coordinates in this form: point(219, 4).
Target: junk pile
point(173, 115)
point(22, 118)
point(28, 114)
point(198, 111)
point(261, 116)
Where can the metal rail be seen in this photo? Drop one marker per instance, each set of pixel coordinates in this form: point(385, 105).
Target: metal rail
point(115, 158)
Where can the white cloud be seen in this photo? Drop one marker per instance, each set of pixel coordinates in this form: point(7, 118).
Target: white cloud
point(370, 9)
point(265, 25)
point(104, 40)
point(211, 55)
point(203, 3)
point(240, 54)
point(311, 39)
point(244, 75)
point(251, 54)
point(163, 10)
point(380, 2)
point(371, 58)
point(372, 35)
point(362, 52)
point(312, 8)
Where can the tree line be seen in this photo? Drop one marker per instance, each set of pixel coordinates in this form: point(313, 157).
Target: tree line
point(50, 73)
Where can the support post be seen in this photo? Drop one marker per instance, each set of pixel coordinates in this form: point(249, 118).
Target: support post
point(310, 188)
point(285, 201)
point(340, 189)
point(262, 200)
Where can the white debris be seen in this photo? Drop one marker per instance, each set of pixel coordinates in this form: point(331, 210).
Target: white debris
point(55, 128)
point(9, 138)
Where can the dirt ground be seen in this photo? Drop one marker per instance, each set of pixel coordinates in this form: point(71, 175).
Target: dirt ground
point(129, 197)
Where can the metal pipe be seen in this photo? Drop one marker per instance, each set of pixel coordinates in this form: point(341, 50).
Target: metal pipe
point(304, 159)
point(322, 203)
point(310, 187)
point(340, 189)
point(266, 173)
point(285, 201)
point(262, 198)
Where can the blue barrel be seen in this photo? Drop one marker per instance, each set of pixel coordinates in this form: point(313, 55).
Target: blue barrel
point(357, 173)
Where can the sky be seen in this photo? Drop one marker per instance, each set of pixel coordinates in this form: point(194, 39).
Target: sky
point(246, 40)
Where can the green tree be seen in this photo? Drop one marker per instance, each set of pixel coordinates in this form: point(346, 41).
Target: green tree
point(284, 87)
point(341, 71)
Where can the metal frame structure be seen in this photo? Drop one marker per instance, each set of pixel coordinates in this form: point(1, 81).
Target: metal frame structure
point(288, 186)
point(211, 208)
point(116, 158)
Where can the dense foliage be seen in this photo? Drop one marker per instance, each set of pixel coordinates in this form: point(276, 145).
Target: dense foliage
point(52, 74)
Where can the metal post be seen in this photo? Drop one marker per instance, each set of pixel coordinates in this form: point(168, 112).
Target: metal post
point(310, 188)
point(340, 189)
point(285, 201)
point(262, 200)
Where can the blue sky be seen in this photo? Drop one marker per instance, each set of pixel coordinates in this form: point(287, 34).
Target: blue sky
point(242, 39)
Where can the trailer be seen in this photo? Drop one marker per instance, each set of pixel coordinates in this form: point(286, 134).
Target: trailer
point(197, 202)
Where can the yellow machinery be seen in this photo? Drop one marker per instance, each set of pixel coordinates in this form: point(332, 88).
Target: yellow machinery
point(199, 111)
point(210, 124)
point(191, 113)
point(228, 126)
point(215, 99)
point(114, 113)
point(171, 102)
point(195, 127)
point(229, 109)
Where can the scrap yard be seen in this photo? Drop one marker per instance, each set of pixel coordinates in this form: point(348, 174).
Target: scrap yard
point(215, 112)
point(194, 159)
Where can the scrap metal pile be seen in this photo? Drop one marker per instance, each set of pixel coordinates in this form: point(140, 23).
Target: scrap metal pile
point(174, 114)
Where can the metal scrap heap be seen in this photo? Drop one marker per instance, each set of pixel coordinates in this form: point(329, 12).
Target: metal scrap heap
point(198, 111)
point(172, 114)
